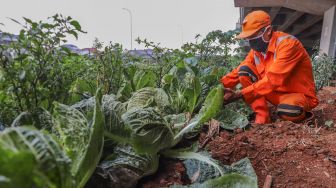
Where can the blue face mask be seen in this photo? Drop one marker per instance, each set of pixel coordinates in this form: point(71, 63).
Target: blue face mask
point(258, 43)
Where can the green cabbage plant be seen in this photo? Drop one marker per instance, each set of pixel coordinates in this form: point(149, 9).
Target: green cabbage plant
point(64, 157)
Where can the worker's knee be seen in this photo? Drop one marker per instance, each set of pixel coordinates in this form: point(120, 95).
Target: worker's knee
point(291, 112)
point(245, 71)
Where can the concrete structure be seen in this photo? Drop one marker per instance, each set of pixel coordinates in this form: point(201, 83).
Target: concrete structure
point(313, 22)
point(328, 35)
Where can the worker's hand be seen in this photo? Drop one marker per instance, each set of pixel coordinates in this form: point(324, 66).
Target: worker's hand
point(231, 96)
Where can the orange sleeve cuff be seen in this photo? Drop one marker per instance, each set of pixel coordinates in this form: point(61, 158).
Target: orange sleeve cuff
point(248, 91)
point(222, 80)
point(228, 82)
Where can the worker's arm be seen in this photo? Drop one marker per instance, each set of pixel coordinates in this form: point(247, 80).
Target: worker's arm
point(289, 54)
point(232, 79)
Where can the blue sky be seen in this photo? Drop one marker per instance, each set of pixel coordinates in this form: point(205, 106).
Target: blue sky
point(166, 21)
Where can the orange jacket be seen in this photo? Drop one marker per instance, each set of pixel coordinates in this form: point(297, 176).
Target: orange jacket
point(286, 68)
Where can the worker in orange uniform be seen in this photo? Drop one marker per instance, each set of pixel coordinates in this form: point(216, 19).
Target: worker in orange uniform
point(277, 69)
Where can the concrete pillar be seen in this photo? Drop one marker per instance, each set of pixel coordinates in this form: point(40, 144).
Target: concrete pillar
point(328, 35)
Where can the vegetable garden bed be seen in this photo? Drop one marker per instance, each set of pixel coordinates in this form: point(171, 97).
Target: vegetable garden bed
point(114, 120)
point(296, 155)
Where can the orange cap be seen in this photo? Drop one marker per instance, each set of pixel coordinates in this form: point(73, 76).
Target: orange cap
point(253, 22)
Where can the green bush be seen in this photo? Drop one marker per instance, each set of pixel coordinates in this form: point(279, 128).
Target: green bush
point(36, 70)
point(324, 68)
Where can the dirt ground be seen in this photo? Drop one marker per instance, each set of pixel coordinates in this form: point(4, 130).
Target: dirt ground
point(170, 172)
point(295, 155)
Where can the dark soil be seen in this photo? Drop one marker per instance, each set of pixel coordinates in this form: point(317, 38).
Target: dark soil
point(295, 155)
point(170, 172)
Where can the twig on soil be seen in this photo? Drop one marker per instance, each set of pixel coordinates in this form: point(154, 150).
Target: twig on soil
point(256, 155)
point(212, 132)
point(333, 159)
point(268, 182)
point(303, 142)
point(289, 123)
point(264, 165)
point(309, 122)
point(318, 130)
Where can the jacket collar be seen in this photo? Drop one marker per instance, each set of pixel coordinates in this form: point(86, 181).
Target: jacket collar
point(271, 45)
